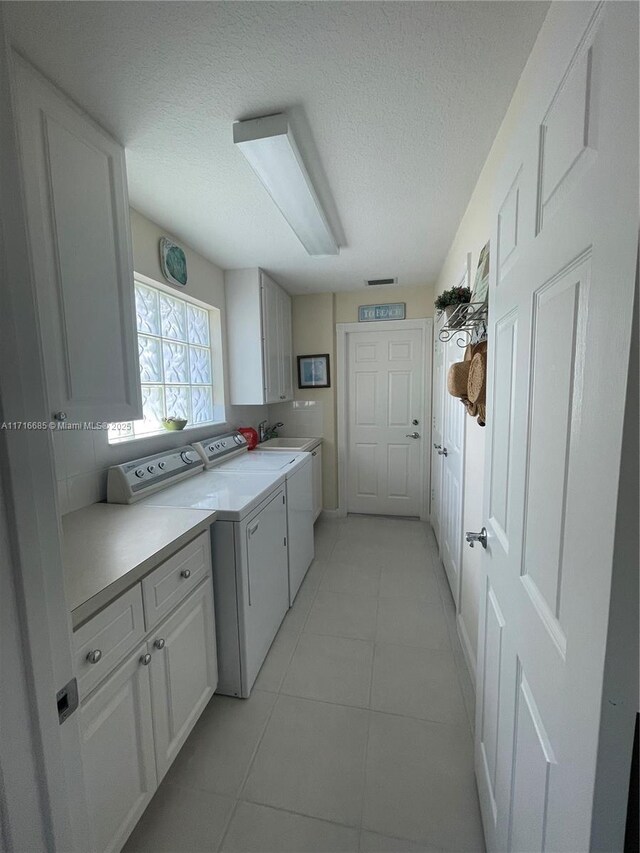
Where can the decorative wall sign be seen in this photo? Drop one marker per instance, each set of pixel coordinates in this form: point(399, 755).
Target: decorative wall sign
point(313, 371)
point(481, 284)
point(173, 262)
point(393, 311)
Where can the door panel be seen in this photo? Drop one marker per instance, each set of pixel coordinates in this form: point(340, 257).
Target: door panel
point(386, 386)
point(184, 672)
point(453, 439)
point(117, 752)
point(81, 252)
point(436, 435)
point(565, 219)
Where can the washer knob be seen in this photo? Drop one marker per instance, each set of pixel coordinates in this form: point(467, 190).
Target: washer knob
point(161, 465)
point(151, 468)
point(140, 472)
point(186, 457)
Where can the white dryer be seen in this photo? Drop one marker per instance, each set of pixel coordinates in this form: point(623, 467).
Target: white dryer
point(229, 453)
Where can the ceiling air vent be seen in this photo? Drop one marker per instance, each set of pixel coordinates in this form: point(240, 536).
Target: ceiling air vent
point(377, 282)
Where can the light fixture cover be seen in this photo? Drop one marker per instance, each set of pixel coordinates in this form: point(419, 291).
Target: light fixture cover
point(269, 146)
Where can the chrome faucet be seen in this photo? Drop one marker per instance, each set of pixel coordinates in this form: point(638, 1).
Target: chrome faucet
point(269, 431)
point(262, 431)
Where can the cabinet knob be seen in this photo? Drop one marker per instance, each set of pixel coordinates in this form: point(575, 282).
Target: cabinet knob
point(145, 660)
point(94, 656)
point(283, 396)
point(314, 453)
point(185, 573)
point(159, 643)
point(60, 416)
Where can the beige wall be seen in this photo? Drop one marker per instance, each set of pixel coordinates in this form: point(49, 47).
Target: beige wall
point(473, 232)
point(314, 331)
point(419, 301)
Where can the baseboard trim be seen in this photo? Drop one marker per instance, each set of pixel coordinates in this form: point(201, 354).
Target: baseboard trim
point(466, 648)
point(332, 513)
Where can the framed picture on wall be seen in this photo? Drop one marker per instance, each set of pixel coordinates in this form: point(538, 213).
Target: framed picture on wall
point(313, 371)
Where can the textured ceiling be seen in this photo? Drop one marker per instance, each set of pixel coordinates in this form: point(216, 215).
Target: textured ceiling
point(395, 106)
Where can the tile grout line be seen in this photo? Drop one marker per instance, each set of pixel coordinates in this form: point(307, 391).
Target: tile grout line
point(273, 707)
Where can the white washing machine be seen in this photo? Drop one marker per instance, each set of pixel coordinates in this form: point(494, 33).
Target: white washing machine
point(229, 453)
point(249, 549)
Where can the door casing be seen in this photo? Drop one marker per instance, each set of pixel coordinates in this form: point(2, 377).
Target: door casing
point(344, 329)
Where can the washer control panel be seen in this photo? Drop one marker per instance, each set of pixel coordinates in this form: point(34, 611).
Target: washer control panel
point(131, 481)
point(213, 450)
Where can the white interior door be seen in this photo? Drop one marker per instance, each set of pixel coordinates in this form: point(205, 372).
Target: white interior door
point(565, 226)
point(452, 471)
point(385, 421)
point(436, 434)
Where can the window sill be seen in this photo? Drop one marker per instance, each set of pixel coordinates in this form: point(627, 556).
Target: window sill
point(130, 439)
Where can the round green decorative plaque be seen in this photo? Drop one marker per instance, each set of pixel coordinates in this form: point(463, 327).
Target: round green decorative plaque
point(173, 262)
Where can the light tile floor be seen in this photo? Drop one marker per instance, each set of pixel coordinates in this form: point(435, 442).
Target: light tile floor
point(357, 736)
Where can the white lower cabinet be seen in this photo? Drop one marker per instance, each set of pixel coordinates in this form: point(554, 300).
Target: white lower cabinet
point(134, 724)
point(184, 673)
point(118, 753)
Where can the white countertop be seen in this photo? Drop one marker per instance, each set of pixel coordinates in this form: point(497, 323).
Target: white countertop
point(107, 548)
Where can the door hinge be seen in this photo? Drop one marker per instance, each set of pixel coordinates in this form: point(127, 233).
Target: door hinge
point(285, 541)
point(67, 700)
point(283, 500)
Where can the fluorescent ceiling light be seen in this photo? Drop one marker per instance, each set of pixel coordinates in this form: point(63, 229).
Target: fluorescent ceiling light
point(271, 150)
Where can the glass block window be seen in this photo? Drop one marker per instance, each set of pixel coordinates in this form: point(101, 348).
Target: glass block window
point(176, 370)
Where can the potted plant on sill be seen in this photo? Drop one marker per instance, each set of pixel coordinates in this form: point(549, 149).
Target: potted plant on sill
point(449, 302)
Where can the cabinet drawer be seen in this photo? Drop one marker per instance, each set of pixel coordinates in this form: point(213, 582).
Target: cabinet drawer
point(166, 586)
point(107, 638)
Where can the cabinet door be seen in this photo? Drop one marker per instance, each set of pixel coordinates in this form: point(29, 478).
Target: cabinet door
point(184, 672)
point(317, 481)
point(117, 752)
point(77, 207)
point(286, 347)
point(271, 339)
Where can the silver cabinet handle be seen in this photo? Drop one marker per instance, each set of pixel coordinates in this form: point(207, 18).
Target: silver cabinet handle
point(185, 573)
point(145, 660)
point(60, 416)
point(253, 529)
point(477, 537)
point(412, 435)
point(94, 656)
point(443, 452)
point(314, 452)
point(159, 643)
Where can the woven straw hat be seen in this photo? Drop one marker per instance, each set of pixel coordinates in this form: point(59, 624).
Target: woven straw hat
point(477, 379)
point(457, 378)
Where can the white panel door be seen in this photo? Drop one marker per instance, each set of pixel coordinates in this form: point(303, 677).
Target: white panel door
point(184, 672)
point(437, 433)
point(117, 753)
point(452, 471)
point(75, 185)
point(565, 223)
point(385, 393)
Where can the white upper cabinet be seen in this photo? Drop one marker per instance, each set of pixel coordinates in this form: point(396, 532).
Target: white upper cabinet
point(259, 338)
point(75, 187)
